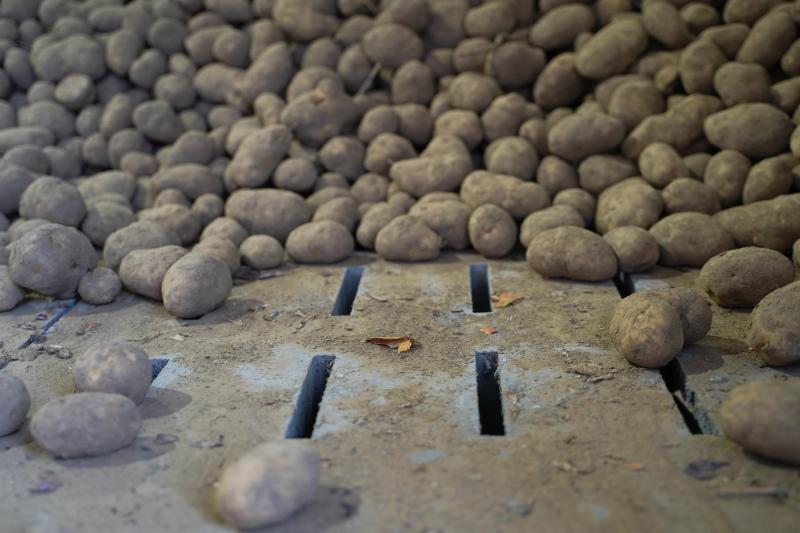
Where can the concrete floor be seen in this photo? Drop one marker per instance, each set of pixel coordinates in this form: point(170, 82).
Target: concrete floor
point(590, 444)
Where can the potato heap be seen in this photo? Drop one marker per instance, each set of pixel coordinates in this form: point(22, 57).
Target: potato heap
point(157, 145)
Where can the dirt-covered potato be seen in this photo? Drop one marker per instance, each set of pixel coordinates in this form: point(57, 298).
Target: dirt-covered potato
point(268, 483)
point(631, 202)
point(796, 253)
point(53, 199)
point(374, 220)
point(759, 416)
point(688, 194)
point(142, 271)
point(14, 403)
point(596, 173)
point(556, 175)
point(551, 217)
point(742, 277)
point(773, 326)
point(612, 49)
point(222, 249)
point(583, 202)
point(693, 309)
point(519, 198)
point(726, 173)
point(176, 219)
point(492, 231)
point(113, 367)
point(10, 293)
point(646, 331)
point(513, 156)
point(769, 178)
point(86, 424)
point(447, 217)
point(690, 239)
point(635, 248)
point(100, 286)
point(407, 238)
point(583, 134)
point(268, 211)
point(770, 223)
point(572, 253)
point(323, 242)
point(261, 252)
point(195, 284)
point(757, 130)
point(51, 260)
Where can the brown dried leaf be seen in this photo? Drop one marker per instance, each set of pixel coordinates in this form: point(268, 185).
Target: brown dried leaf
point(403, 344)
point(505, 298)
point(490, 330)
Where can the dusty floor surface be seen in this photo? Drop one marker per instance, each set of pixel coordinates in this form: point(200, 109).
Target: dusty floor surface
point(590, 444)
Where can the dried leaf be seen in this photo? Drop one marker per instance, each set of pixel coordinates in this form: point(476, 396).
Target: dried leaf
point(505, 298)
point(177, 337)
point(490, 330)
point(403, 344)
point(636, 466)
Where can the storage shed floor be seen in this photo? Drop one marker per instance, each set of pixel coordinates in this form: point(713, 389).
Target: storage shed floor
point(540, 426)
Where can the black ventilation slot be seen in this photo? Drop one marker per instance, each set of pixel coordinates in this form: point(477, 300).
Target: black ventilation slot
point(301, 426)
point(479, 287)
point(156, 366)
point(58, 315)
point(624, 284)
point(490, 402)
point(348, 290)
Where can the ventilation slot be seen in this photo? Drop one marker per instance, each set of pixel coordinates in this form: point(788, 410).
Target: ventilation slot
point(348, 290)
point(301, 426)
point(490, 403)
point(479, 287)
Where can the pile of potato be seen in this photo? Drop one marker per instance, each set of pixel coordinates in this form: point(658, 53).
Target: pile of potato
point(158, 145)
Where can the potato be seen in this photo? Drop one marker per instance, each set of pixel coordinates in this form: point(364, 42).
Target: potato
point(175, 219)
point(375, 219)
point(773, 326)
point(664, 23)
point(104, 218)
point(407, 238)
point(258, 155)
point(759, 417)
point(631, 202)
point(53, 199)
point(370, 187)
point(739, 83)
point(295, 174)
point(195, 284)
point(191, 179)
point(343, 155)
point(559, 83)
point(555, 174)
point(514, 64)
point(324, 242)
point(741, 278)
point(100, 286)
point(698, 63)
point(646, 331)
point(447, 217)
point(517, 197)
point(114, 367)
point(634, 101)
point(584, 134)
point(612, 49)
point(559, 27)
point(551, 217)
point(226, 228)
point(14, 403)
point(635, 248)
point(769, 178)
point(343, 210)
point(261, 252)
point(14, 180)
point(492, 231)
point(86, 424)
point(268, 211)
point(142, 271)
point(757, 130)
point(572, 253)
point(796, 253)
point(437, 172)
point(51, 260)
point(386, 149)
point(473, 91)
point(770, 223)
point(10, 293)
point(690, 239)
point(513, 156)
point(659, 164)
point(726, 173)
point(693, 310)
point(598, 172)
point(222, 249)
point(268, 484)
point(581, 200)
point(769, 38)
point(392, 45)
point(687, 194)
